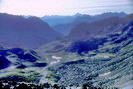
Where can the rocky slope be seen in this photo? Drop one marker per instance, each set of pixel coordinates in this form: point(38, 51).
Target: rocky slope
point(109, 66)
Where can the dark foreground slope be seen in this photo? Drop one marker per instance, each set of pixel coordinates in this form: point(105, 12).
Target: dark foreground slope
point(108, 66)
point(19, 58)
point(20, 65)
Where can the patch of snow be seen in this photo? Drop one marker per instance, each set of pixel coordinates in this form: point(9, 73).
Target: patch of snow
point(106, 56)
point(55, 57)
point(54, 62)
point(104, 74)
point(57, 60)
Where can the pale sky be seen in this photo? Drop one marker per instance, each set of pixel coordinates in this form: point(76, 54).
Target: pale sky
point(64, 7)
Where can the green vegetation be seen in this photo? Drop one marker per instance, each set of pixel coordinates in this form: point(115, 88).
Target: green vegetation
point(21, 76)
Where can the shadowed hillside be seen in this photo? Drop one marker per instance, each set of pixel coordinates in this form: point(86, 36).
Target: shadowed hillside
point(17, 31)
point(99, 28)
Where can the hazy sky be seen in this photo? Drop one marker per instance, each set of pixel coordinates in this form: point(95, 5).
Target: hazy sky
point(64, 7)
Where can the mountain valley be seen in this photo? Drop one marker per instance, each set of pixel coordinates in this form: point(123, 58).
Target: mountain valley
point(96, 53)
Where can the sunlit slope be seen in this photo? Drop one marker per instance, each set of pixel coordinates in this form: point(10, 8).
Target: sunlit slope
point(108, 66)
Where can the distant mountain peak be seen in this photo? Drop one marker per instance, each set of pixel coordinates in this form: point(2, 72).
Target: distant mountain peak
point(78, 14)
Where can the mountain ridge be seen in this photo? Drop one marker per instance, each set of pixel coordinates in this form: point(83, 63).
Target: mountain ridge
point(17, 31)
point(99, 28)
point(66, 28)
